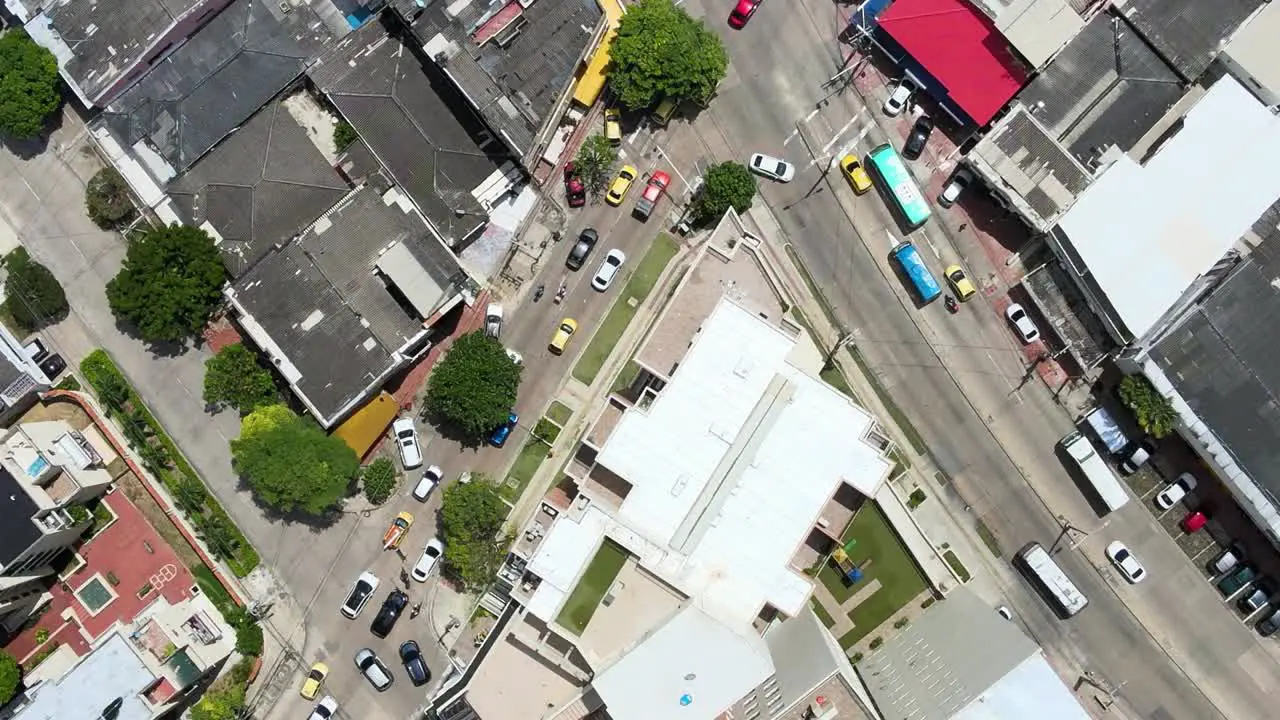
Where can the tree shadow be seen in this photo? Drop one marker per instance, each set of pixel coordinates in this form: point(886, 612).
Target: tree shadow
point(157, 348)
point(315, 523)
point(32, 147)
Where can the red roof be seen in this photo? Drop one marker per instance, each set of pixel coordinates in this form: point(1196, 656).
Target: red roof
point(960, 47)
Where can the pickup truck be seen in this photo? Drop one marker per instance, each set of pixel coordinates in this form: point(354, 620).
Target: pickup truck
point(653, 192)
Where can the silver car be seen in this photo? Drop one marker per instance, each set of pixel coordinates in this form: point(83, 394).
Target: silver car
point(772, 168)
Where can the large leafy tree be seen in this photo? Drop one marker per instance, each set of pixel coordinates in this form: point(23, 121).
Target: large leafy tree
point(235, 378)
point(107, 199)
point(223, 701)
point(1154, 412)
point(28, 85)
point(662, 52)
point(290, 463)
point(170, 283)
point(594, 163)
point(728, 185)
point(33, 295)
point(10, 675)
point(471, 518)
point(474, 386)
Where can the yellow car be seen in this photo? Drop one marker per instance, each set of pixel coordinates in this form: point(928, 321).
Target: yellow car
point(315, 678)
point(613, 125)
point(959, 282)
point(567, 328)
point(855, 174)
point(396, 532)
point(621, 184)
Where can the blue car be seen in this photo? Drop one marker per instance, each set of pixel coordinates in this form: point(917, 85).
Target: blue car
point(500, 435)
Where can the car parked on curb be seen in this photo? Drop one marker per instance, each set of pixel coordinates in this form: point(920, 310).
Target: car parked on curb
point(389, 613)
point(959, 282)
point(430, 480)
point(621, 184)
point(575, 193)
point(899, 96)
point(373, 670)
point(407, 442)
point(586, 243)
point(1269, 623)
point(1136, 455)
point(431, 555)
point(918, 138)
point(742, 12)
point(500, 434)
point(1022, 322)
point(314, 681)
point(516, 357)
point(771, 167)
point(1004, 612)
point(1174, 492)
point(613, 125)
point(1257, 597)
point(857, 175)
point(363, 588)
point(1125, 562)
point(608, 270)
point(960, 180)
point(493, 320)
point(1227, 560)
point(1237, 579)
point(560, 340)
point(414, 666)
point(52, 366)
point(1194, 522)
point(324, 709)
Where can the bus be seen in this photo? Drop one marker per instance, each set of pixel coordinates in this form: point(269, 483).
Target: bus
point(1052, 584)
point(908, 258)
point(1106, 486)
point(886, 166)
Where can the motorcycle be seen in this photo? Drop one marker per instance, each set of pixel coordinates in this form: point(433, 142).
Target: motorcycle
point(417, 608)
point(537, 292)
point(952, 306)
point(564, 290)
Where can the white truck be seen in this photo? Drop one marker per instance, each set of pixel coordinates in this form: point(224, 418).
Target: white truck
point(1095, 469)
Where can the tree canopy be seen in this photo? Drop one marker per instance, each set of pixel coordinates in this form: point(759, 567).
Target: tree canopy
point(234, 377)
point(474, 387)
point(28, 85)
point(471, 518)
point(10, 676)
point(728, 185)
point(33, 296)
point(222, 701)
point(661, 51)
point(289, 462)
point(379, 480)
point(1154, 412)
point(170, 283)
point(594, 163)
point(106, 197)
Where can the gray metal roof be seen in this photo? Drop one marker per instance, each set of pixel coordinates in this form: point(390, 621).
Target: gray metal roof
point(17, 531)
point(259, 188)
point(217, 79)
point(413, 119)
point(1189, 34)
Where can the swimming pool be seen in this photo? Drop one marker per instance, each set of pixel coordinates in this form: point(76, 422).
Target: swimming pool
point(95, 594)
point(37, 466)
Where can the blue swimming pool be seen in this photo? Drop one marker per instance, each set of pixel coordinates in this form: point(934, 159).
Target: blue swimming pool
point(37, 466)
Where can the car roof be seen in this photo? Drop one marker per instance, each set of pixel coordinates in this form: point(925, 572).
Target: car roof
point(660, 177)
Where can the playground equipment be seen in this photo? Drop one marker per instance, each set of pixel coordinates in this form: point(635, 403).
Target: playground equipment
point(840, 555)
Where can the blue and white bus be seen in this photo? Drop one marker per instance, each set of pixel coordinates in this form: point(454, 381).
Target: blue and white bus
point(887, 167)
point(908, 258)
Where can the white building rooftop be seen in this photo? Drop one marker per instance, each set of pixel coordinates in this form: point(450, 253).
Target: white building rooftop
point(1030, 690)
point(1146, 232)
point(113, 670)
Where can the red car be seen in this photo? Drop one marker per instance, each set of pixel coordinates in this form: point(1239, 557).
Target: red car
point(574, 191)
point(743, 12)
point(1193, 522)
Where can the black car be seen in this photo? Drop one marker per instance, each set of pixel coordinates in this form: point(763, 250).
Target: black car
point(389, 613)
point(918, 138)
point(52, 366)
point(578, 255)
point(1269, 624)
point(414, 666)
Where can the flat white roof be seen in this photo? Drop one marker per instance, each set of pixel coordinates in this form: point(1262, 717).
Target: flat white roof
point(1146, 233)
point(1030, 690)
point(693, 668)
point(1254, 47)
point(732, 464)
point(112, 670)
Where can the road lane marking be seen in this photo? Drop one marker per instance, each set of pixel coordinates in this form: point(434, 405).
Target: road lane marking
point(792, 136)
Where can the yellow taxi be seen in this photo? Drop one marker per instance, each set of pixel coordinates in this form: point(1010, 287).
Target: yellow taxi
point(567, 328)
point(959, 282)
point(621, 184)
point(613, 125)
point(315, 678)
point(855, 174)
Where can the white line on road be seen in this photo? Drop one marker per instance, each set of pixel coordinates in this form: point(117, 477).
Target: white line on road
point(791, 137)
point(676, 170)
point(836, 138)
point(809, 117)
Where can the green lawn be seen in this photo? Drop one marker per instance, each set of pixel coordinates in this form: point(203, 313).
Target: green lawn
point(595, 582)
point(559, 413)
point(523, 470)
point(882, 557)
point(638, 287)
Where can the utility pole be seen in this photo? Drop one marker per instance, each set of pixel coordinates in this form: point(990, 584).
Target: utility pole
point(841, 341)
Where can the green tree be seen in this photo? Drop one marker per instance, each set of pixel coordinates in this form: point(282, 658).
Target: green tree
point(594, 163)
point(28, 85)
point(379, 479)
point(471, 518)
point(218, 534)
point(34, 297)
point(10, 675)
point(474, 387)
point(1153, 411)
point(290, 464)
point(223, 701)
point(170, 283)
point(344, 135)
point(728, 185)
point(235, 378)
point(107, 199)
point(660, 52)
point(189, 494)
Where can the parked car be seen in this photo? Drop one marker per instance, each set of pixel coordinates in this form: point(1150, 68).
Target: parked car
point(575, 193)
point(1125, 562)
point(560, 340)
point(918, 137)
point(1269, 623)
point(502, 432)
point(581, 249)
point(364, 587)
point(324, 709)
point(1174, 492)
point(899, 97)
point(855, 174)
point(430, 479)
point(742, 12)
point(1194, 522)
point(52, 366)
point(1237, 579)
point(516, 357)
point(1227, 560)
point(431, 555)
point(414, 666)
point(493, 320)
point(1022, 323)
point(1004, 612)
point(772, 168)
point(1256, 597)
point(960, 180)
point(397, 531)
point(959, 282)
point(389, 613)
point(407, 441)
point(613, 125)
point(621, 184)
point(1136, 455)
point(314, 680)
point(608, 270)
point(373, 670)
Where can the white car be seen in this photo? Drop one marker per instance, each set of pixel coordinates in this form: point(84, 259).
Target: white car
point(1022, 323)
point(608, 270)
point(431, 555)
point(324, 709)
point(407, 441)
point(956, 185)
point(516, 357)
point(430, 479)
point(772, 168)
point(493, 320)
point(360, 593)
point(898, 99)
point(1004, 612)
point(1125, 562)
point(1173, 493)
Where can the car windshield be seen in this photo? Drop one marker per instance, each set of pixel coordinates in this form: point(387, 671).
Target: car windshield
point(1122, 555)
point(1017, 315)
point(566, 328)
point(360, 592)
point(957, 276)
point(432, 552)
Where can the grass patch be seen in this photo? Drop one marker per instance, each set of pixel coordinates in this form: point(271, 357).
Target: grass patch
point(822, 613)
point(595, 582)
point(899, 417)
point(989, 539)
point(638, 287)
point(961, 571)
point(880, 554)
point(559, 413)
point(523, 470)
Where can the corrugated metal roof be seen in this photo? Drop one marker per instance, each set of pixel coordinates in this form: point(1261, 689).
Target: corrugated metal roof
point(1189, 34)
